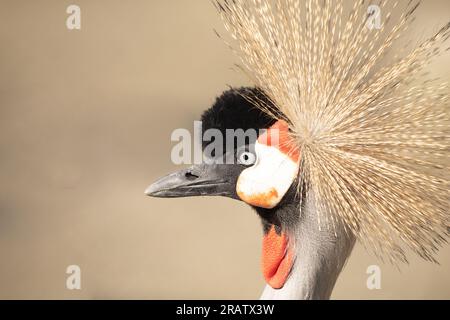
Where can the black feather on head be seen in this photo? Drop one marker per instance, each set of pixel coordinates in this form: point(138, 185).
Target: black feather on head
point(232, 110)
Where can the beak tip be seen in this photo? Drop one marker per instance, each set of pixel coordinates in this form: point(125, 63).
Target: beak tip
point(149, 191)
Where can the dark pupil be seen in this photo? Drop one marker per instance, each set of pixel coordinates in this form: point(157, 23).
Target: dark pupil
point(245, 157)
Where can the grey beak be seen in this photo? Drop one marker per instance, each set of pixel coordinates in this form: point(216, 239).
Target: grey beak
point(198, 180)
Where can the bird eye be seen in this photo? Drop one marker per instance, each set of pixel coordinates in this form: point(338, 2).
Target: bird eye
point(247, 158)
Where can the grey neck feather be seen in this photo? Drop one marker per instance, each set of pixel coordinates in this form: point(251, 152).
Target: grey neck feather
point(320, 257)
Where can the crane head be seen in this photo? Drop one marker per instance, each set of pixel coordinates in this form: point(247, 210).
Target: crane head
point(259, 170)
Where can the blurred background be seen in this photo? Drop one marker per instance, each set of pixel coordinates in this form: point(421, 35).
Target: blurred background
point(85, 123)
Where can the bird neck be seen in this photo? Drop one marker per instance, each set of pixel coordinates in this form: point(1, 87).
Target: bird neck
point(320, 255)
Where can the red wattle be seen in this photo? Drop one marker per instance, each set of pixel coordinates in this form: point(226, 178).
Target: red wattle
point(277, 259)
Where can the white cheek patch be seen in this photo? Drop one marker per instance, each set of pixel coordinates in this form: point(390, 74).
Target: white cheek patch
point(267, 181)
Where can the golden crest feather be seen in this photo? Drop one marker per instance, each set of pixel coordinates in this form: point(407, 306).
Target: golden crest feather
point(373, 131)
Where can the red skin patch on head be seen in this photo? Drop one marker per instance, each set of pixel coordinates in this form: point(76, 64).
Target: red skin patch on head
point(277, 259)
point(278, 136)
point(262, 199)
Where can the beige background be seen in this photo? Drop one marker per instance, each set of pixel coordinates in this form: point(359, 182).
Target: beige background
point(85, 123)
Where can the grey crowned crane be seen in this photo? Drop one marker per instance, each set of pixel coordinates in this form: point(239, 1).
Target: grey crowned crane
point(364, 141)
point(298, 260)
